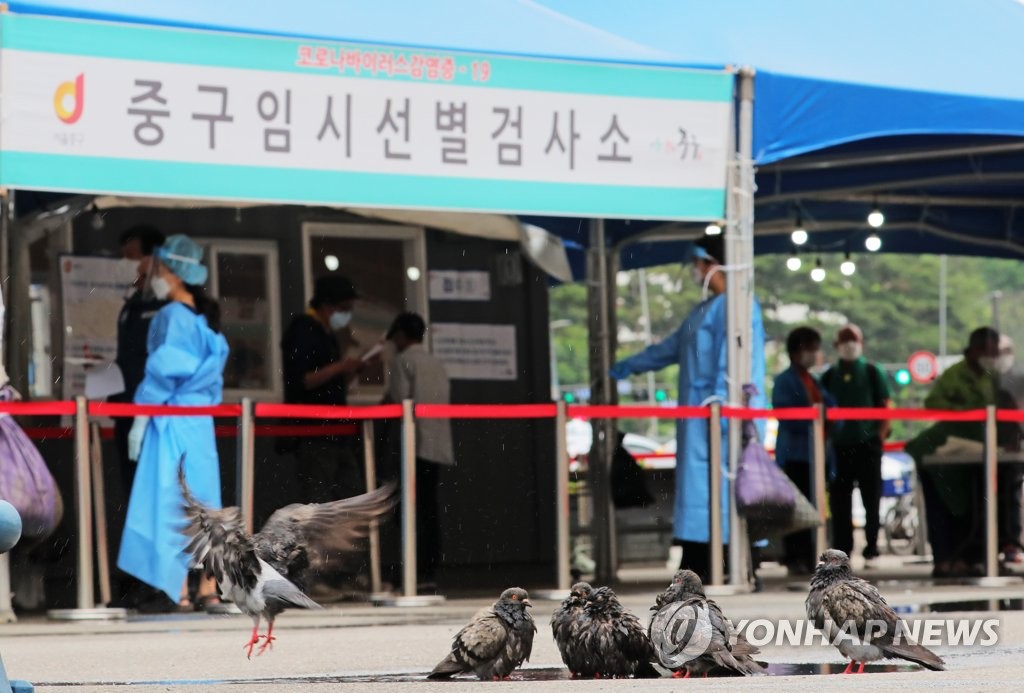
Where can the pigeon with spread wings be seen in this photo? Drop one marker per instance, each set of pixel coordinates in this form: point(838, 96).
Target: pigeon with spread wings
point(263, 574)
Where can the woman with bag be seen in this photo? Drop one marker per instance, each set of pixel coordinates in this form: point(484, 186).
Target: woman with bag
point(185, 367)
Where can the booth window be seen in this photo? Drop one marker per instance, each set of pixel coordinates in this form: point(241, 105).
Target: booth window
point(243, 279)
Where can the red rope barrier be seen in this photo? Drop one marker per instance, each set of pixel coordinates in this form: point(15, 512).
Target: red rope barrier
point(1010, 415)
point(126, 410)
point(37, 408)
point(313, 411)
point(781, 414)
point(609, 411)
point(485, 411)
point(873, 414)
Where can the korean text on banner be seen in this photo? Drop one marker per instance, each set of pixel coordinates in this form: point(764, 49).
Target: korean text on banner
point(117, 108)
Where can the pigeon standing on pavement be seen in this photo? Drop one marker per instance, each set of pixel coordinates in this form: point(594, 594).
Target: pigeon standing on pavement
point(495, 642)
point(691, 636)
point(856, 618)
point(565, 626)
point(259, 573)
point(611, 641)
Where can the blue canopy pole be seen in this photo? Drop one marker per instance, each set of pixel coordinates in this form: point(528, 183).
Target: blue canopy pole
point(739, 255)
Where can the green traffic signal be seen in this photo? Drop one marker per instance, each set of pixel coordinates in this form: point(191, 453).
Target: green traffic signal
point(570, 397)
point(660, 395)
point(902, 377)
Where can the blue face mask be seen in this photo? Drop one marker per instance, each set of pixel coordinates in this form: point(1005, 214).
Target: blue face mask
point(340, 319)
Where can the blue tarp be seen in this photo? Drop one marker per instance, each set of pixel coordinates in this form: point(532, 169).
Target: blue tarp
point(833, 80)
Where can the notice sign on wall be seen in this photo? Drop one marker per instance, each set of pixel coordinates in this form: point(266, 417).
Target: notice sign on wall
point(475, 352)
point(119, 108)
point(93, 290)
point(460, 286)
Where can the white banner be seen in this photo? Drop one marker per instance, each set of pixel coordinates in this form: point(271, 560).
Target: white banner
point(475, 352)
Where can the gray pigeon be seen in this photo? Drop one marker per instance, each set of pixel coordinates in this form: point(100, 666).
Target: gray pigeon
point(691, 636)
point(611, 641)
point(565, 626)
point(259, 573)
point(857, 619)
point(496, 641)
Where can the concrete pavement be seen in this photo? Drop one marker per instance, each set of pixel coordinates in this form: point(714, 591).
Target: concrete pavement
point(359, 647)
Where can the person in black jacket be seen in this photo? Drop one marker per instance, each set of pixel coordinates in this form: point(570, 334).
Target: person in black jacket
point(316, 373)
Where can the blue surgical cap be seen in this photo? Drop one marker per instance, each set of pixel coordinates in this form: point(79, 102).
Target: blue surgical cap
point(183, 256)
point(699, 253)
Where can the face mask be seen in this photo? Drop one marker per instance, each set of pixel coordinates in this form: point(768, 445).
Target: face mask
point(340, 320)
point(161, 287)
point(850, 351)
point(808, 358)
point(988, 363)
point(1005, 363)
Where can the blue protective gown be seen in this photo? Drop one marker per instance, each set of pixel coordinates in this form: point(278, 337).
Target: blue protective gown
point(185, 366)
point(699, 347)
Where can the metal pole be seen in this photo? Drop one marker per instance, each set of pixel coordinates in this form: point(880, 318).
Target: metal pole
point(601, 344)
point(370, 467)
point(942, 312)
point(99, 513)
point(564, 579)
point(991, 500)
point(245, 480)
point(996, 295)
point(408, 500)
point(83, 499)
point(739, 302)
point(715, 494)
point(818, 481)
point(645, 311)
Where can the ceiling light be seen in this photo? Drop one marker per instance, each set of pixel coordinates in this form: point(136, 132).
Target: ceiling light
point(848, 267)
point(331, 262)
point(793, 264)
point(873, 243)
point(713, 230)
point(876, 218)
point(818, 273)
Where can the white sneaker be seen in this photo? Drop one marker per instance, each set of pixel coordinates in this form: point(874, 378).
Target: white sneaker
point(675, 557)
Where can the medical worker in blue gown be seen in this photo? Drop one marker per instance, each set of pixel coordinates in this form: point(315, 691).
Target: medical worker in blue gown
point(185, 366)
point(699, 347)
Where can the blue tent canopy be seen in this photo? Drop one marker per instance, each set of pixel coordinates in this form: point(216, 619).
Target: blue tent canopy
point(914, 106)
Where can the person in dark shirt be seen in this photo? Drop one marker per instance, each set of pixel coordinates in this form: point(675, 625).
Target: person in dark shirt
point(316, 373)
point(137, 244)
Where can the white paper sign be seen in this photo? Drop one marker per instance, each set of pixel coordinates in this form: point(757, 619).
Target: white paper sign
point(448, 285)
point(93, 290)
point(103, 381)
point(475, 352)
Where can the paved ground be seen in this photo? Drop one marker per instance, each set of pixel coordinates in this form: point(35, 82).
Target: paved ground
point(358, 647)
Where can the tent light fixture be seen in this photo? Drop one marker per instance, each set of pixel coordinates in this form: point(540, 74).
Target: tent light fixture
point(848, 266)
point(793, 263)
point(818, 273)
point(873, 243)
point(713, 229)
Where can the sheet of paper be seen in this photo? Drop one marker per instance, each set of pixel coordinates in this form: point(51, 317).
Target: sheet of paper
point(103, 381)
point(373, 351)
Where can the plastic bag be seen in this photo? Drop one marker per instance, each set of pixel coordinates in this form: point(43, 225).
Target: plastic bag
point(764, 494)
point(25, 480)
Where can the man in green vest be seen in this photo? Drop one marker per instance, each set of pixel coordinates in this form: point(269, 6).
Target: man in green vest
point(856, 382)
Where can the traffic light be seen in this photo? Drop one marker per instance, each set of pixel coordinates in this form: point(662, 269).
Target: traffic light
point(660, 395)
point(902, 377)
point(570, 397)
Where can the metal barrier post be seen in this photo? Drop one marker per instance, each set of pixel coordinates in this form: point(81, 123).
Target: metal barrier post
point(370, 468)
point(86, 609)
point(991, 499)
point(715, 494)
point(245, 480)
point(818, 481)
point(99, 504)
point(562, 554)
point(408, 500)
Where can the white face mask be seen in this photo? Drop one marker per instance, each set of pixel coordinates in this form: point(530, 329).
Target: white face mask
point(808, 359)
point(161, 287)
point(850, 351)
point(340, 319)
point(697, 275)
point(1004, 363)
point(988, 363)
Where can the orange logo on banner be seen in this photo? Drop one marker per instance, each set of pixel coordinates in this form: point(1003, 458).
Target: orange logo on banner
point(70, 94)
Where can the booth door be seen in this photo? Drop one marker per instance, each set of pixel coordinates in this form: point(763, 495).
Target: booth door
point(386, 265)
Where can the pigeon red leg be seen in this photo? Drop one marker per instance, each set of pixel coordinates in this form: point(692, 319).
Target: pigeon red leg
point(254, 638)
point(860, 670)
point(849, 668)
point(270, 639)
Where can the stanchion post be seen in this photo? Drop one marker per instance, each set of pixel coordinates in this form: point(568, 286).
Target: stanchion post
point(562, 498)
point(715, 494)
point(245, 477)
point(818, 480)
point(408, 499)
point(991, 489)
point(370, 467)
point(99, 505)
point(83, 505)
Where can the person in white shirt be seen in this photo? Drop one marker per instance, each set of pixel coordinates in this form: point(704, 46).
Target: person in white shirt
point(416, 374)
